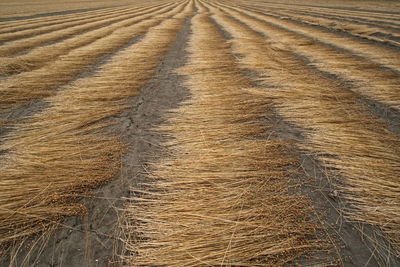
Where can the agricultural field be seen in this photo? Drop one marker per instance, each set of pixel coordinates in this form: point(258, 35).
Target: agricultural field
point(200, 133)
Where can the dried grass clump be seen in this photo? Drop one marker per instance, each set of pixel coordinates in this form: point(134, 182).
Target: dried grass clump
point(20, 89)
point(222, 196)
point(57, 155)
point(40, 56)
point(338, 129)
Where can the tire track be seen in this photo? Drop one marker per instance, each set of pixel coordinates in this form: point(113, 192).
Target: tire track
point(360, 154)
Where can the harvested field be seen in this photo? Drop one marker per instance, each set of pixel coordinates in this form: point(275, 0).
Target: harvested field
point(200, 133)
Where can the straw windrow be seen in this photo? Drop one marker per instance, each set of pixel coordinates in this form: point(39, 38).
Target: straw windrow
point(222, 197)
